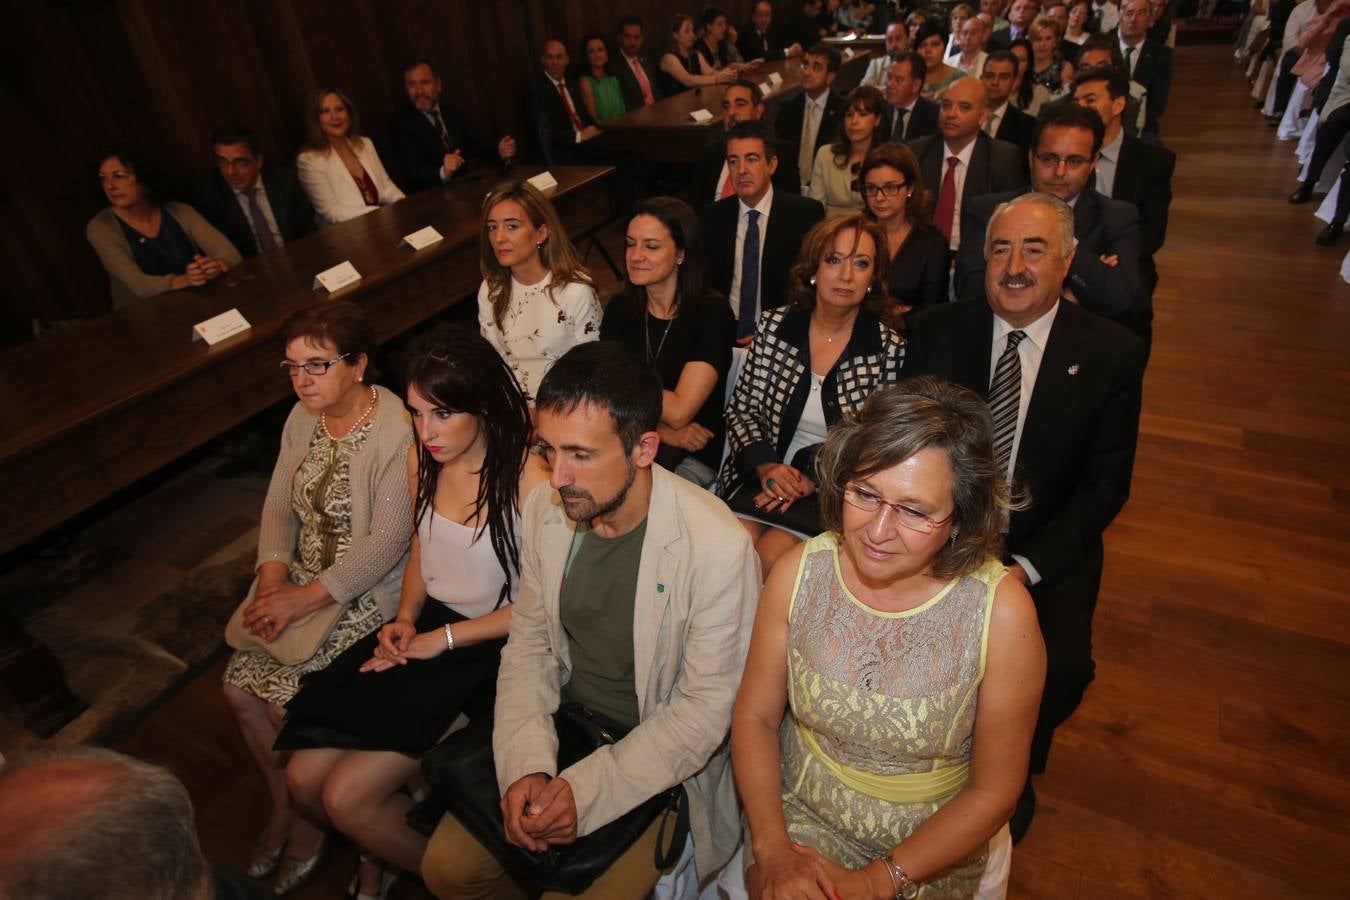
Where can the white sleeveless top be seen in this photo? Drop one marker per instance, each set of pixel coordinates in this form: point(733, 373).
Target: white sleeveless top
point(458, 571)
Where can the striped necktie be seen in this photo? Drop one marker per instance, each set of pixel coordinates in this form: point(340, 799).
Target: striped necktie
point(1005, 394)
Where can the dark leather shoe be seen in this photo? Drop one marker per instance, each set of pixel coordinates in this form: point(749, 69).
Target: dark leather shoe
point(1021, 817)
point(1302, 195)
point(1330, 235)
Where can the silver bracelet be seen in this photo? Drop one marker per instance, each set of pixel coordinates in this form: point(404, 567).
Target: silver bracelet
point(449, 638)
point(905, 888)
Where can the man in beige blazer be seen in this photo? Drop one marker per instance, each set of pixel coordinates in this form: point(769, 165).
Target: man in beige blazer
point(650, 548)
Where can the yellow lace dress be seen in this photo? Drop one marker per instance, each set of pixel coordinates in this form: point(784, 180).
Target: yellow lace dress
point(882, 713)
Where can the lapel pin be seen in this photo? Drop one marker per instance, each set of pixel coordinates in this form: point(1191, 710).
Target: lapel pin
point(1073, 369)
point(660, 588)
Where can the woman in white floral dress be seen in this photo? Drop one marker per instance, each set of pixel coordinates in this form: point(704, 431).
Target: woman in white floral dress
point(536, 301)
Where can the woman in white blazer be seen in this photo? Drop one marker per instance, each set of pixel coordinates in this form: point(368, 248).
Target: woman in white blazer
point(340, 169)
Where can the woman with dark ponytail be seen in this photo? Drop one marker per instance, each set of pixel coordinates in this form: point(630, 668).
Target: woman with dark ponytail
point(359, 727)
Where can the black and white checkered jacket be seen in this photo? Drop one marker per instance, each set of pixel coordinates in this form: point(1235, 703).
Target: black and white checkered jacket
point(774, 382)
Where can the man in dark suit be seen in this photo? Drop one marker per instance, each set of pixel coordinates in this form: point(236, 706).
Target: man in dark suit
point(1020, 16)
point(741, 102)
point(961, 162)
point(636, 74)
point(802, 27)
point(1066, 434)
point(257, 207)
point(1133, 171)
point(1146, 61)
point(1104, 277)
point(752, 238)
point(807, 131)
point(564, 116)
point(760, 40)
point(912, 115)
point(432, 141)
point(1006, 122)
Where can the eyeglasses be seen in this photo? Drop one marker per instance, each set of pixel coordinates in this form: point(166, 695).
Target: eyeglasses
point(861, 498)
point(1052, 161)
point(313, 368)
point(890, 188)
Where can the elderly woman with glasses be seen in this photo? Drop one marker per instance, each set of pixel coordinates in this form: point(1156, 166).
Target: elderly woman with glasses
point(881, 734)
point(918, 267)
point(334, 531)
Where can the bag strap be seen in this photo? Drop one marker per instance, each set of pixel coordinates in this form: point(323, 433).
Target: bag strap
point(680, 804)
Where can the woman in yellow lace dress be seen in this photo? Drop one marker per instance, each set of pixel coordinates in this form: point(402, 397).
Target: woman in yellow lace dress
point(897, 647)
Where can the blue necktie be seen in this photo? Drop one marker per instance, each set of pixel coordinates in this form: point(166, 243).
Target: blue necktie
point(745, 325)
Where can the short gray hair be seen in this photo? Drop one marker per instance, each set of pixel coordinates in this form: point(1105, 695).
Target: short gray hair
point(1063, 214)
point(126, 832)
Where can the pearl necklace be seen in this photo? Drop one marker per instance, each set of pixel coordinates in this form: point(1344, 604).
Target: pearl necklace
point(323, 417)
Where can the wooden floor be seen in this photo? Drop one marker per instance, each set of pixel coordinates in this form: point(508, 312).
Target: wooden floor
point(1211, 758)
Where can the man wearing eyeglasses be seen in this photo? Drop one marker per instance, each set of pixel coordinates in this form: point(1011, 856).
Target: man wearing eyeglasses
point(1064, 388)
point(1104, 277)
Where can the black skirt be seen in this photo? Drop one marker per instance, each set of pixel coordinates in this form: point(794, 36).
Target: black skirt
point(405, 709)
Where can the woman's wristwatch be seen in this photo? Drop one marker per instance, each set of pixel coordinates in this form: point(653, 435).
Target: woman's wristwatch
point(905, 887)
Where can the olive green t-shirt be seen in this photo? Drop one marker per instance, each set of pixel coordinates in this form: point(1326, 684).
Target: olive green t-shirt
point(596, 607)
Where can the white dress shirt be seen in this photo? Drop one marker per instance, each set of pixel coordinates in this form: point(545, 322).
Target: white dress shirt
point(764, 206)
point(1029, 353)
point(962, 167)
point(975, 68)
point(265, 205)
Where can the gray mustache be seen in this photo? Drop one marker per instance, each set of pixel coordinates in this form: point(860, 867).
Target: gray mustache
point(1016, 281)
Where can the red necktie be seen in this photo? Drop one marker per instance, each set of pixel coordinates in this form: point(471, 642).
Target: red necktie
point(946, 207)
point(571, 110)
point(727, 187)
point(647, 98)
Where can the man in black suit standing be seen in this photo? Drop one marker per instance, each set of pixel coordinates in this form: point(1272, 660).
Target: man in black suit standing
point(808, 119)
point(912, 115)
point(753, 238)
point(760, 40)
point(636, 74)
point(741, 102)
point(565, 119)
point(1133, 171)
point(433, 141)
point(1006, 122)
point(1020, 16)
point(257, 207)
point(961, 162)
point(1104, 277)
point(1064, 387)
point(1146, 61)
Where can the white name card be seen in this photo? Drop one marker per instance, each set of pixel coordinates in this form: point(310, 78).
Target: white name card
point(341, 275)
point(544, 181)
point(701, 116)
point(218, 328)
point(848, 52)
point(775, 79)
point(422, 237)
point(766, 88)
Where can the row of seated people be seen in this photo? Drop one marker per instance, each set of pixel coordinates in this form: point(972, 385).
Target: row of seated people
point(814, 371)
point(1310, 100)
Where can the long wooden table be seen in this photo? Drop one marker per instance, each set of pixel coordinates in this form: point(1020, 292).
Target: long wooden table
point(100, 405)
point(664, 132)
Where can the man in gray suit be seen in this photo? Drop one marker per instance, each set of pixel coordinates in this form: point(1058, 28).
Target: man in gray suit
point(637, 594)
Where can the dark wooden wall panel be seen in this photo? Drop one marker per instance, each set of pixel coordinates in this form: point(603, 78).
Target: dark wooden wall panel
point(159, 74)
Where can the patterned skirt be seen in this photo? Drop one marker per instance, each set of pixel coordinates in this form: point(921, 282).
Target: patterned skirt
point(262, 676)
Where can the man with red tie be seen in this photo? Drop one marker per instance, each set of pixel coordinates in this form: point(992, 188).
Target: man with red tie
point(741, 102)
point(961, 162)
point(565, 121)
point(637, 77)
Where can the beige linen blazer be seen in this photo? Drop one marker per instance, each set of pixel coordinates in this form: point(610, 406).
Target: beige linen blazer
point(698, 585)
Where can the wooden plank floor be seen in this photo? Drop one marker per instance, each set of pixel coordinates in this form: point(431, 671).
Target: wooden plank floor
point(1211, 758)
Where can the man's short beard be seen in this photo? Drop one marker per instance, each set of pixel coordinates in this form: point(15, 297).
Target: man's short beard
point(594, 511)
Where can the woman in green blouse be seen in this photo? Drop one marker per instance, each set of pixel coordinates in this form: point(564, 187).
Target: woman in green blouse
point(600, 90)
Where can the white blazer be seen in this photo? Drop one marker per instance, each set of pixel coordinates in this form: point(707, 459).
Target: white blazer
point(333, 191)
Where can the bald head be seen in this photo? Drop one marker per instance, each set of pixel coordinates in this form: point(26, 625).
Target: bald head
point(86, 822)
point(962, 112)
point(554, 59)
